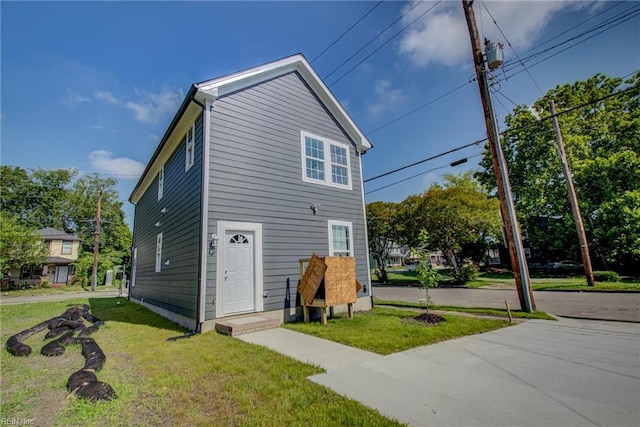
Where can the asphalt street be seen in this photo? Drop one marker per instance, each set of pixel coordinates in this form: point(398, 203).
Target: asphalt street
point(618, 306)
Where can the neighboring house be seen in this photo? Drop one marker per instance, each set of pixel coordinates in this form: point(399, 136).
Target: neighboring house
point(63, 251)
point(257, 170)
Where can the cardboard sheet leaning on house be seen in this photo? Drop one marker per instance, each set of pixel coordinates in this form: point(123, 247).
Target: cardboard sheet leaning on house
point(327, 282)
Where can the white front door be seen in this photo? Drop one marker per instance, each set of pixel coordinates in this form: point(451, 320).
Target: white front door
point(239, 285)
point(62, 273)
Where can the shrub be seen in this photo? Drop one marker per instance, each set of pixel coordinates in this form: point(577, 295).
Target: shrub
point(45, 284)
point(468, 272)
point(606, 276)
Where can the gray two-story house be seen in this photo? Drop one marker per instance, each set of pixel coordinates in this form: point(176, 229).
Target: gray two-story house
point(257, 170)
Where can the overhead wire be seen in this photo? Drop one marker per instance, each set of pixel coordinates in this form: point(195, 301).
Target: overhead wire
point(371, 41)
point(512, 48)
point(347, 31)
point(506, 131)
point(384, 44)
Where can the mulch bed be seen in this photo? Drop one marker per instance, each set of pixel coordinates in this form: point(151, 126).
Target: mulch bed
point(84, 382)
point(429, 318)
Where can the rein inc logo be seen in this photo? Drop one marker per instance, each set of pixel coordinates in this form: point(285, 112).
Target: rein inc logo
point(12, 421)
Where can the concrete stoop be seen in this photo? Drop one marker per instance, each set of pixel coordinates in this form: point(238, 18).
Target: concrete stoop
point(245, 325)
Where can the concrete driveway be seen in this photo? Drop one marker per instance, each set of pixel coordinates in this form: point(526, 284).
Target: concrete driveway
point(588, 305)
point(539, 373)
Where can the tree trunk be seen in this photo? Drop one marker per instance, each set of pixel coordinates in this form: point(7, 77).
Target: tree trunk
point(454, 263)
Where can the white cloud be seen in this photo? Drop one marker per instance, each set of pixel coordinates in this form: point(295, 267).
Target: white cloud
point(150, 107)
point(106, 96)
point(442, 37)
point(122, 167)
point(73, 98)
point(386, 98)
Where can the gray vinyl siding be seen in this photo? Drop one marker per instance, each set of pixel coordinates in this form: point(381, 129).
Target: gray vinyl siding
point(255, 168)
point(175, 287)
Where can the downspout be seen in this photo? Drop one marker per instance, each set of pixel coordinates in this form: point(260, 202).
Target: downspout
point(366, 232)
point(203, 221)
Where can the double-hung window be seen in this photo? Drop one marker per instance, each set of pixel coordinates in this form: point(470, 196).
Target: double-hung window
point(340, 238)
point(159, 253)
point(189, 147)
point(67, 246)
point(161, 183)
point(325, 162)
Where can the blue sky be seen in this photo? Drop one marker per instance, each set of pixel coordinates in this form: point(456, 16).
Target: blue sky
point(93, 85)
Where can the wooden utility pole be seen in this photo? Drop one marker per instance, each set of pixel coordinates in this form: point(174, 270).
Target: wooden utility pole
point(512, 228)
point(575, 208)
point(96, 244)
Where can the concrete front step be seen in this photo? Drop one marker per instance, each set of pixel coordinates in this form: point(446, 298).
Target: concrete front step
point(245, 325)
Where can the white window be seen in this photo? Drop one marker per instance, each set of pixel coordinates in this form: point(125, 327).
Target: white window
point(340, 238)
point(159, 253)
point(161, 183)
point(66, 247)
point(189, 146)
point(325, 161)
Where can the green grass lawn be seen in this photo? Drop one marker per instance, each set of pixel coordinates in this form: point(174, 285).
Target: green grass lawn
point(472, 310)
point(387, 330)
point(577, 283)
point(208, 379)
point(54, 291)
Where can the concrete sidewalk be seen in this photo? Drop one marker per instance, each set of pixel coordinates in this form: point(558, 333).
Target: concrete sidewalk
point(59, 297)
point(539, 373)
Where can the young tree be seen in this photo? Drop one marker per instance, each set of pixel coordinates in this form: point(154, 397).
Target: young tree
point(383, 232)
point(428, 277)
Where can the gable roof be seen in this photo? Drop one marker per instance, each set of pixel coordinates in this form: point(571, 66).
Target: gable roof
point(49, 233)
point(230, 83)
point(221, 86)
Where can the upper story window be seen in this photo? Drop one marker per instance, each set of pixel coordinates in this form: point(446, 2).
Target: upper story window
point(161, 183)
point(66, 247)
point(189, 147)
point(340, 238)
point(325, 161)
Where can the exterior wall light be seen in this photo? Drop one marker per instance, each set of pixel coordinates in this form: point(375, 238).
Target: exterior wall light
point(213, 244)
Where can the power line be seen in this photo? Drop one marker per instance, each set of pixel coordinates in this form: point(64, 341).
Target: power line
point(384, 44)
point(345, 33)
point(506, 131)
point(415, 110)
point(371, 41)
point(453, 150)
point(512, 48)
point(420, 174)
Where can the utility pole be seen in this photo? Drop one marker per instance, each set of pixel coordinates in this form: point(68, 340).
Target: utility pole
point(512, 228)
point(575, 208)
point(96, 244)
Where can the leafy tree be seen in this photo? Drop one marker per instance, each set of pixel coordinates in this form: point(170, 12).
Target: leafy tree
point(448, 216)
point(383, 231)
point(19, 245)
point(60, 199)
point(602, 144)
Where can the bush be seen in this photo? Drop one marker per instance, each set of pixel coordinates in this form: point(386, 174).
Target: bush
point(606, 276)
point(468, 272)
point(45, 284)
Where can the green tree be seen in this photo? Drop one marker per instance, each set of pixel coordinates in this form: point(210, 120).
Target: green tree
point(19, 244)
point(428, 277)
point(383, 231)
point(602, 143)
point(447, 217)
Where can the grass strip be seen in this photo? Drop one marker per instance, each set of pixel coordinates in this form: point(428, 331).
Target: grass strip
point(473, 310)
point(387, 330)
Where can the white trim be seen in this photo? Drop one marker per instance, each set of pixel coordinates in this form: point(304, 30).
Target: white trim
point(204, 214)
point(222, 228)
point(134, 266)
point(366, 231)
point(330, 224)
point(231, 83)
point(327, 161)
point(158, 253)
point(190, 148)
point(161, 183)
